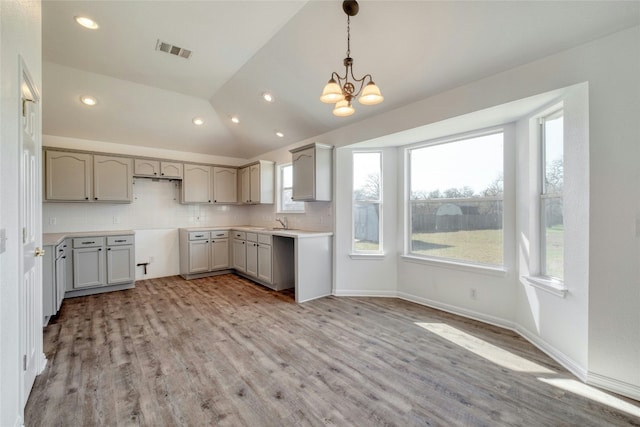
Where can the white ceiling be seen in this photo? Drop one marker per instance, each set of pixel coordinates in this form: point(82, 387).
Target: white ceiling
point(413, 49)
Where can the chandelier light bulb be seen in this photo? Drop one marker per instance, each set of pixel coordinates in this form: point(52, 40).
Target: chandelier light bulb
point(343, 109)
point(371, 95)
point(332, 93)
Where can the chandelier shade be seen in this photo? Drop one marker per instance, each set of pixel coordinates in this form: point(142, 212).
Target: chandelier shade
point(341, 90)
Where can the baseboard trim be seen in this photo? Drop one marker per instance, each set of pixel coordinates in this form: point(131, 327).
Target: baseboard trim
point(491, 320)
point(365, 293)
point(564, 360)
point(614, 385)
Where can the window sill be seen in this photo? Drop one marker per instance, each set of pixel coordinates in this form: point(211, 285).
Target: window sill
point(367, 256)
point(455, 265)
point(548, 285)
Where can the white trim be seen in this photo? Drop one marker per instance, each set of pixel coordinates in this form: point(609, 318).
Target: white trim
point(372, 256)
point(481, 317)
point(551, 286)
point(614, 385)
point(564, 360)
point(365, 293)
point(456, 265)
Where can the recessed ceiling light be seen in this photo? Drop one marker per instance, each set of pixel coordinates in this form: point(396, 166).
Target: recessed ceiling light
point(279, 134)
point(267, 97)
point(87, 22)
point(198, 121)
point(88, 100)
point(235, 119)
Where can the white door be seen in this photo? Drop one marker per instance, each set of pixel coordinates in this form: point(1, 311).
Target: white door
point(31, 233)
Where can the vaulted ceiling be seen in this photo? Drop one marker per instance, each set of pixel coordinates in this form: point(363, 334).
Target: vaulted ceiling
point(241, 49)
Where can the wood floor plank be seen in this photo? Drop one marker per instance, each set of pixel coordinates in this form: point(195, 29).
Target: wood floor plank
point(223, 351)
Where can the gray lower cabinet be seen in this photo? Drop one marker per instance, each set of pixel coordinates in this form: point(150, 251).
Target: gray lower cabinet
point(56, 275)
point(102, 264)
point(203, 252)
point(239, 251)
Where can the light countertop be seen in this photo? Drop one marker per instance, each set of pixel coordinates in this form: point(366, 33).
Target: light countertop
point(55, 238)
point(265, 230)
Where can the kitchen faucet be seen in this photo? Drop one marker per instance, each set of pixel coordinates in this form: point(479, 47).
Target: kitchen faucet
point(285, 223)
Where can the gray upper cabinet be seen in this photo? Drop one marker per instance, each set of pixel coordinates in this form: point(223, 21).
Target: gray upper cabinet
point(157, 169)
point(312, 172)
point(257, 182)
point(196, 184)
point(68, 176)
point(225, 185)
point(113, 179)
point(72, 177)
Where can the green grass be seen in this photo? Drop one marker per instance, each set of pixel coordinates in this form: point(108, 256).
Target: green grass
point(365, 245)
point(481, 246)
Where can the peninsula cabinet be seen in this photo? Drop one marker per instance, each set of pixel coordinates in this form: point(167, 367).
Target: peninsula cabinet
point(55, 275)
point(312, 172)
point(257, 182)
point(83, 177)
point(157, 169)
point(259, 258)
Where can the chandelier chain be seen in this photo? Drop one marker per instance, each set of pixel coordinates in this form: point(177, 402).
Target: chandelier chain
point(348, 36)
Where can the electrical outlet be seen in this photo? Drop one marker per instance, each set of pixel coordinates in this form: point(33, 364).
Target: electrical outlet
point(474, 293)
point(151, 259)
point(116, 219)
point(52, 220)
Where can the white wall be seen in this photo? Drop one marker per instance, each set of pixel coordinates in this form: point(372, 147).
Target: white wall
point(20, 35)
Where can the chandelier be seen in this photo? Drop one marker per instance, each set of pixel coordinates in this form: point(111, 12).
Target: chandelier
point(341, 90)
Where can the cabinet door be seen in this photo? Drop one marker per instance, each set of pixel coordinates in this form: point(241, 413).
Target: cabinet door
point(68, 176)
point(245, 185)
point(120, 267)
point(61, 280)
point(255, 184)
point(69, 265)
point(252, 258)
point(196, 184)
point(171, 170)
point(219, 254)
point(48, 281)
point(264, 262)
point(198, 256)
point(239, 255)
point(225, 185)
point(304, 174)
point(89, 267)
point(143, 167)
point(113, 179)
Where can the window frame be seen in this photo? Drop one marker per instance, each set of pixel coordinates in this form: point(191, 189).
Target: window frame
point(500, 269)
point(280, 209)
point(380, 203)
point(543, 195)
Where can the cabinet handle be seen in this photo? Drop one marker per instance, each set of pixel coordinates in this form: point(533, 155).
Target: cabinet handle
point(120, 241)
point(108, 249)
point(199, 235)
point(219, 235)
point(60, 250)
point(99, 250)
point(64, 257)
point(88, 243)
point(64, 246)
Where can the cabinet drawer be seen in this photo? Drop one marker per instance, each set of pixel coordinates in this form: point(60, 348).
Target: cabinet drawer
point(264, 239)
point(241, 235)
point(198, 235)
point(88, 242)
point(220, 234)
point(119, 240)
point(60, 250)
point(252, 237)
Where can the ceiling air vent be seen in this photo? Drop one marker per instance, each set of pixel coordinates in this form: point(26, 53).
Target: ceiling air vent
point(173, 50)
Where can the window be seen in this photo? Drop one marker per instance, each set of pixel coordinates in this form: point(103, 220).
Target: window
point(456, 200)
point(551, 196)
point(285, 185)
point(367, 202)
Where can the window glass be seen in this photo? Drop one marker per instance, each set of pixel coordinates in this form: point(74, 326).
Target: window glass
point(367, 202)
point(551, 201)
point(285, 179)
point(456, 200)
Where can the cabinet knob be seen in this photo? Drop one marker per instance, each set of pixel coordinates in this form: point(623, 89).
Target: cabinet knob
point(95, 198)
point(155, 173)
point(215, 201)
point(64, 257)
point(162, 174)
point(107, 249)
point(86, 198)
point(100, 249)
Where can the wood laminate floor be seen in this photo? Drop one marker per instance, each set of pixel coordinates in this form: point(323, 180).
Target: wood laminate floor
point(222, 351)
